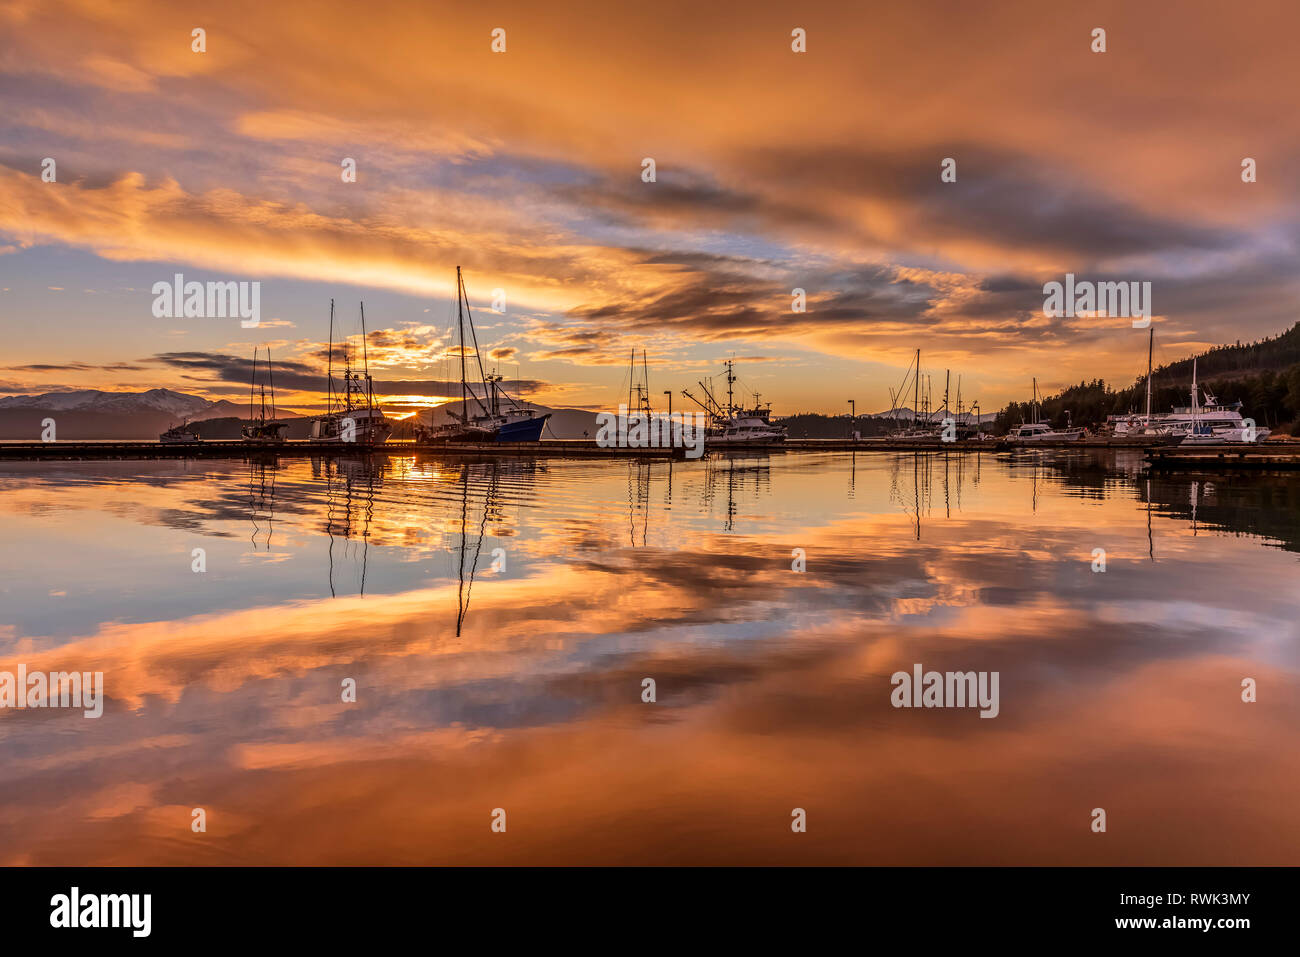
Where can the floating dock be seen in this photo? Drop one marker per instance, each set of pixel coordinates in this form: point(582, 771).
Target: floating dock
point(1271, 455)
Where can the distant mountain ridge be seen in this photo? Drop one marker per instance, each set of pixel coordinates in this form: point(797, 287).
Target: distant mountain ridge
point(94, 400)
point(96, 414)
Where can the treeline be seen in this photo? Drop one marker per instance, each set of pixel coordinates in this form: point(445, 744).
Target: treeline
point(1264, 376)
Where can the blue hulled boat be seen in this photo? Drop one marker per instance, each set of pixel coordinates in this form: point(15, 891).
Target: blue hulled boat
point(499, 418)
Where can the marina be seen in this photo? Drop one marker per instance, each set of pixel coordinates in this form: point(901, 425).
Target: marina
point(1162, 449)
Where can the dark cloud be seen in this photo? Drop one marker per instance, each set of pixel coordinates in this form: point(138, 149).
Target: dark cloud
point(77, 367)
point(301, 377)
point(1000, 198)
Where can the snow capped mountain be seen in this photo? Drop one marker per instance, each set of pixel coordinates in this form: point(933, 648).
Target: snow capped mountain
point(122, 403)
point(935, 416)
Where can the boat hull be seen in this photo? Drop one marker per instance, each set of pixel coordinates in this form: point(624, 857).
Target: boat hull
point(367, 430)
point(524, 430)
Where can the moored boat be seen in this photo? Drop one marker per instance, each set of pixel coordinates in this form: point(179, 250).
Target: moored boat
point(1036, 431)
point(183, 434)
point(500, 417)
point(260, 428)
point(353, 413)
point(732, 424)
point(1202, 429)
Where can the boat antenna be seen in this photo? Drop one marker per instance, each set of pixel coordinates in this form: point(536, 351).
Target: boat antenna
point(329, 374)
point(1151, 345)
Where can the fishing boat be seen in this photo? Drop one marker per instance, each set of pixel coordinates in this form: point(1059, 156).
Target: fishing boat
point(1036, 431)
point(500, 417)
point(259, 427)
point(182, 434)
point(354, 415)
point(732, 424)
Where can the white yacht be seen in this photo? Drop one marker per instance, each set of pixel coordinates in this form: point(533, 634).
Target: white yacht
point(1036, 431)
point(1042, 432)
point(1203, 429)
point(1208, 419)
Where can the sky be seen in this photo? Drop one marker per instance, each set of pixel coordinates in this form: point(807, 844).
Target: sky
point(775, 170)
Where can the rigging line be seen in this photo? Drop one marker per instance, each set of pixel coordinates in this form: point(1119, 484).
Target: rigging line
point(478, 357)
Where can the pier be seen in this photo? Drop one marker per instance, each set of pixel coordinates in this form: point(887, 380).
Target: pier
point(1271, 455)
point(236, 448)
point(1274, 454)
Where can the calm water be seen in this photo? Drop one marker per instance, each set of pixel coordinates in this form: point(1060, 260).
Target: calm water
point(519, 687)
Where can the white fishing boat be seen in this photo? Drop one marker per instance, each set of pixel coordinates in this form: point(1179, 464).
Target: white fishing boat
point(732, 424)
point(182, 434)
point(354, 415)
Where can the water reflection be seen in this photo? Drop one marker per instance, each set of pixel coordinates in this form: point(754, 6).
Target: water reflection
point(1119, 689)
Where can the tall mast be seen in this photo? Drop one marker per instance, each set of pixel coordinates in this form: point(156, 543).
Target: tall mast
point(460, 319)
point(631, 378)
point(916, 393)
point(645, 370)
point(947, 379)
point(1194, 393)
point(1033, 403)
point(252, 384)
point(270, 375)
point(731, 405)
point(365, 361)
point(1151, 344)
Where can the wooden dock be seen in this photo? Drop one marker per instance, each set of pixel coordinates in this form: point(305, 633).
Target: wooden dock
point(1271, 455)
point(571, 448)
point(224, 449)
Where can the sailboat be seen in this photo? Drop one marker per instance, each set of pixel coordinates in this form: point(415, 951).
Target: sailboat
point(734, 424)
point(355, 404)
point(500, 417)
point(1036, 431)
point(1211, 430)
point(259, 427)
point(917, 434)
